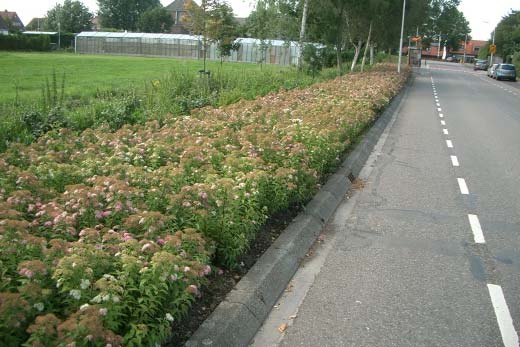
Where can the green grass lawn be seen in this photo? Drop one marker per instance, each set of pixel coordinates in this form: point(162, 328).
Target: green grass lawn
point(25, 73)
point(118, 90)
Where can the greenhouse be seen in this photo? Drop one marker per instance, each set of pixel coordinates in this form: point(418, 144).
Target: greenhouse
point(184, 46)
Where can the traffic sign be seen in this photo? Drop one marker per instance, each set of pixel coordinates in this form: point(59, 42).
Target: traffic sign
point(492, 49)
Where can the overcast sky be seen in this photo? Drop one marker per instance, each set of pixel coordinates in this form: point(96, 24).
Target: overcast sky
point(477, 12)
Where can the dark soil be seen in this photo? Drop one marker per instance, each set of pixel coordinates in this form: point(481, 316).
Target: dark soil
point(220, 285)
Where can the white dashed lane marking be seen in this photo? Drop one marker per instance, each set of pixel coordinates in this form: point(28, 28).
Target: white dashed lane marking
point(449, 143)
point(445, 131)
point(463, 186)
point(478, 235)
point(505, 322)
point(454, 160)
point(443, 122)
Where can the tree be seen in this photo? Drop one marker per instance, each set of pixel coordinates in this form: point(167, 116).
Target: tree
point(124, 14)
point(443, 17)
point(328, 25)
point(72, 17)
point(198, 22)
point(275, 19)
point(507, 35)
point(155, 20)
point(223, 30)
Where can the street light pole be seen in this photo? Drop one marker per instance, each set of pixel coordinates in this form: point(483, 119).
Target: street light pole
point(493, 45)
point(465, 43)
point(401, 39)
point(439, 46)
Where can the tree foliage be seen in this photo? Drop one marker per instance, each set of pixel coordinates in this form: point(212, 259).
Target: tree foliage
point(213, 20)
point(275, 19)
point(224, 29)
point(155, 20)
point(124, 14)
point(344, 25)
point(72, 16)
point(507, 35)
point(444, 18)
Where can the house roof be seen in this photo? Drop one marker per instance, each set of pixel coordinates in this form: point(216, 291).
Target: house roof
point(176, 6)
point(35, 21)
point(240, 20)
point(13, 17)
point(3, 24)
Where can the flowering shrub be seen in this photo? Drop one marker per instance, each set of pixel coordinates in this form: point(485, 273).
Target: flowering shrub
point(106, 237)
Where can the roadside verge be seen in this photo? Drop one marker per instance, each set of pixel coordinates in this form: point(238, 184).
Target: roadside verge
point(236, 320)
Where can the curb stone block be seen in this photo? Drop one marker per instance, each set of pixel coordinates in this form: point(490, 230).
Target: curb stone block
point(232, 331)
point(298, 239)
point(322, 206)
point(338, 184)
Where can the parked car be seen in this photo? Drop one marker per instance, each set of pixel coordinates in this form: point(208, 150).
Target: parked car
point(505, 71)
point(491, 70)
point(450, 59)
point(480, 65)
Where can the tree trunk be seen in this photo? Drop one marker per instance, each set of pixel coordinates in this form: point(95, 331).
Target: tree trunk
point(339, 40)
point(338, 58)
point(371, 54)
point(366, 48)
point(357, 50)
point(302, 34)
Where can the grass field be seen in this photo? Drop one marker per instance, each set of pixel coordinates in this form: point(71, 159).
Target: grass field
point(25, 73)
point(40, 92)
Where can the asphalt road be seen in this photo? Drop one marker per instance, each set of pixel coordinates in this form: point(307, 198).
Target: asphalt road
point(427, 253)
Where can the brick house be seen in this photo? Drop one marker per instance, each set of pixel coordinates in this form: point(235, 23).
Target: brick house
point(178, 10)
point(11, 21)
point(472, 49)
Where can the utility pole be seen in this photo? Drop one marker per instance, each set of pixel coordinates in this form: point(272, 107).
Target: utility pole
point(59, 35)
point(401, 39)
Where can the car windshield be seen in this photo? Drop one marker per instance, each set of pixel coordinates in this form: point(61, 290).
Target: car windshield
point(507, 67)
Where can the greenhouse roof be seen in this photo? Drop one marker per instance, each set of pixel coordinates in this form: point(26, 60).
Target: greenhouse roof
point(243, 40)
point(268, 41)
point(136, 35)
point(40, 32)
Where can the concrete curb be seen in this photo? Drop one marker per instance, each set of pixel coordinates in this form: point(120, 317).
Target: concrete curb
point(237, 319)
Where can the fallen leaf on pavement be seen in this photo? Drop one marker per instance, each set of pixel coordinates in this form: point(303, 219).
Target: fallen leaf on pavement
point(289, 287)
point(282, 327)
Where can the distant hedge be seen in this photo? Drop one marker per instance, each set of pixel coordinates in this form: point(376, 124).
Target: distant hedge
point(25, 42)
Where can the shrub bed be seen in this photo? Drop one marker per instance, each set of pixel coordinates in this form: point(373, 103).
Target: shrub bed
point(106, 237)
